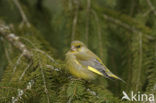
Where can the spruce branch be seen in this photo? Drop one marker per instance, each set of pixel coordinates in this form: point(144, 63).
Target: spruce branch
point(93, 93)
point(51, 58)
point(22, 75)
point(44, 83)
point(152, 8)
point(140, 61)
point(6, 51)
point(87, 20)
point(99, 33)
point(75, 19)
point(52, 67)
point(22, 91)
point(146, 13)
point(116, 21)
point(38, 50)
point(17, 62)
point(126, 26)
point(14, 40)
point(70, 4)
point(24, 18)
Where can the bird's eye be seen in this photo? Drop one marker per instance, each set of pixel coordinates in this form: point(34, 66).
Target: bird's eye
point(78, 46)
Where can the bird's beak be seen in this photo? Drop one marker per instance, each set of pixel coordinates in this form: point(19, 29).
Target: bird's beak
point(72, 48)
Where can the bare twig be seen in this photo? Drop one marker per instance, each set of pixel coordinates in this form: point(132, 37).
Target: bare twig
point(14, 40)
point(24, 18)
point(151, 6)
point(75, 19)
point(87, 20)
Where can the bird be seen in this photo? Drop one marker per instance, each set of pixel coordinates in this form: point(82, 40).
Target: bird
point(84, 64)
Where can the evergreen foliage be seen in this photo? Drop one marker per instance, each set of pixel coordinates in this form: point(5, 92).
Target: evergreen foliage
point(35, 35)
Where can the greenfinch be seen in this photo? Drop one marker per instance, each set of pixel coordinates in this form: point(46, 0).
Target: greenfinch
point(83, 63)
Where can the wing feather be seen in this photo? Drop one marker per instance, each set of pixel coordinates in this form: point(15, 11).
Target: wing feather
point(95, 66)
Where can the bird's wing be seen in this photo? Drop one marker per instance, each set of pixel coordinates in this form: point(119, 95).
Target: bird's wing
point(97, 67)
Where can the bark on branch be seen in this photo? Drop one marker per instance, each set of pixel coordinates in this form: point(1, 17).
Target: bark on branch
point(6, 33)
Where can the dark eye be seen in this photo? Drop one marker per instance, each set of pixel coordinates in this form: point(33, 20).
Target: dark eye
point(78, 46)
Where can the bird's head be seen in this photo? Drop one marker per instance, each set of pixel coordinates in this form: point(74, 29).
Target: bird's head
point(77, 47)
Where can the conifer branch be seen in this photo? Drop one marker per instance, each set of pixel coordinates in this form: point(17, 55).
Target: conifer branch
point(17, 62)
point(28, 66)
point(14, 40)
point(140, 61)
point(116, 21)
point(126, 26)
point(99, 33)
point(70, 4)
point(7, 55)
point(24, 18)
point(92, 92)
point(87, 20)
point(21, 92)
point(38, 50)
point(44, 83)
point(52, 67)
point(6, 51)
point(151, 6)
point(75, 19)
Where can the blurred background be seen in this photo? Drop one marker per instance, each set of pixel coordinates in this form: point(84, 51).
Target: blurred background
point(121, 32)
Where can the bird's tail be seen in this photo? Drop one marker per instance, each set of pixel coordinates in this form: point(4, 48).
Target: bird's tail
point(113, 76)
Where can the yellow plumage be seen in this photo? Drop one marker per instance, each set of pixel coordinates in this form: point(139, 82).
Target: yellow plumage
point(83, 63)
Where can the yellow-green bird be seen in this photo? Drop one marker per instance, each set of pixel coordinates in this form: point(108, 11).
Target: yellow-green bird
point(83, 63)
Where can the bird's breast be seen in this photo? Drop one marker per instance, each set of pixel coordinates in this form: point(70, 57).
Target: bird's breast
point(77, 69)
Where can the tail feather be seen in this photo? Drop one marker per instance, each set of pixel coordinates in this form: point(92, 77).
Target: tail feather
point(112, 76)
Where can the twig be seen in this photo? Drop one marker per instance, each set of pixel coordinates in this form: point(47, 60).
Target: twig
point(38, 50)
point(24, 18)
point(74, 93)
point(75, 20)
point(87, 20)
point(70, 4)
point(126, 26)
point(6, 52)
point(7, 55)
point(146, 13)
point(44, 82)
point(14, 40)
point(99, 33)
point(28, 41)
point(140, 62)
point(116, 21)
point(151, 6)
point(21, 92)
point(28, 66)
point(17, 62)
point(52, 67)
point(92, 92)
